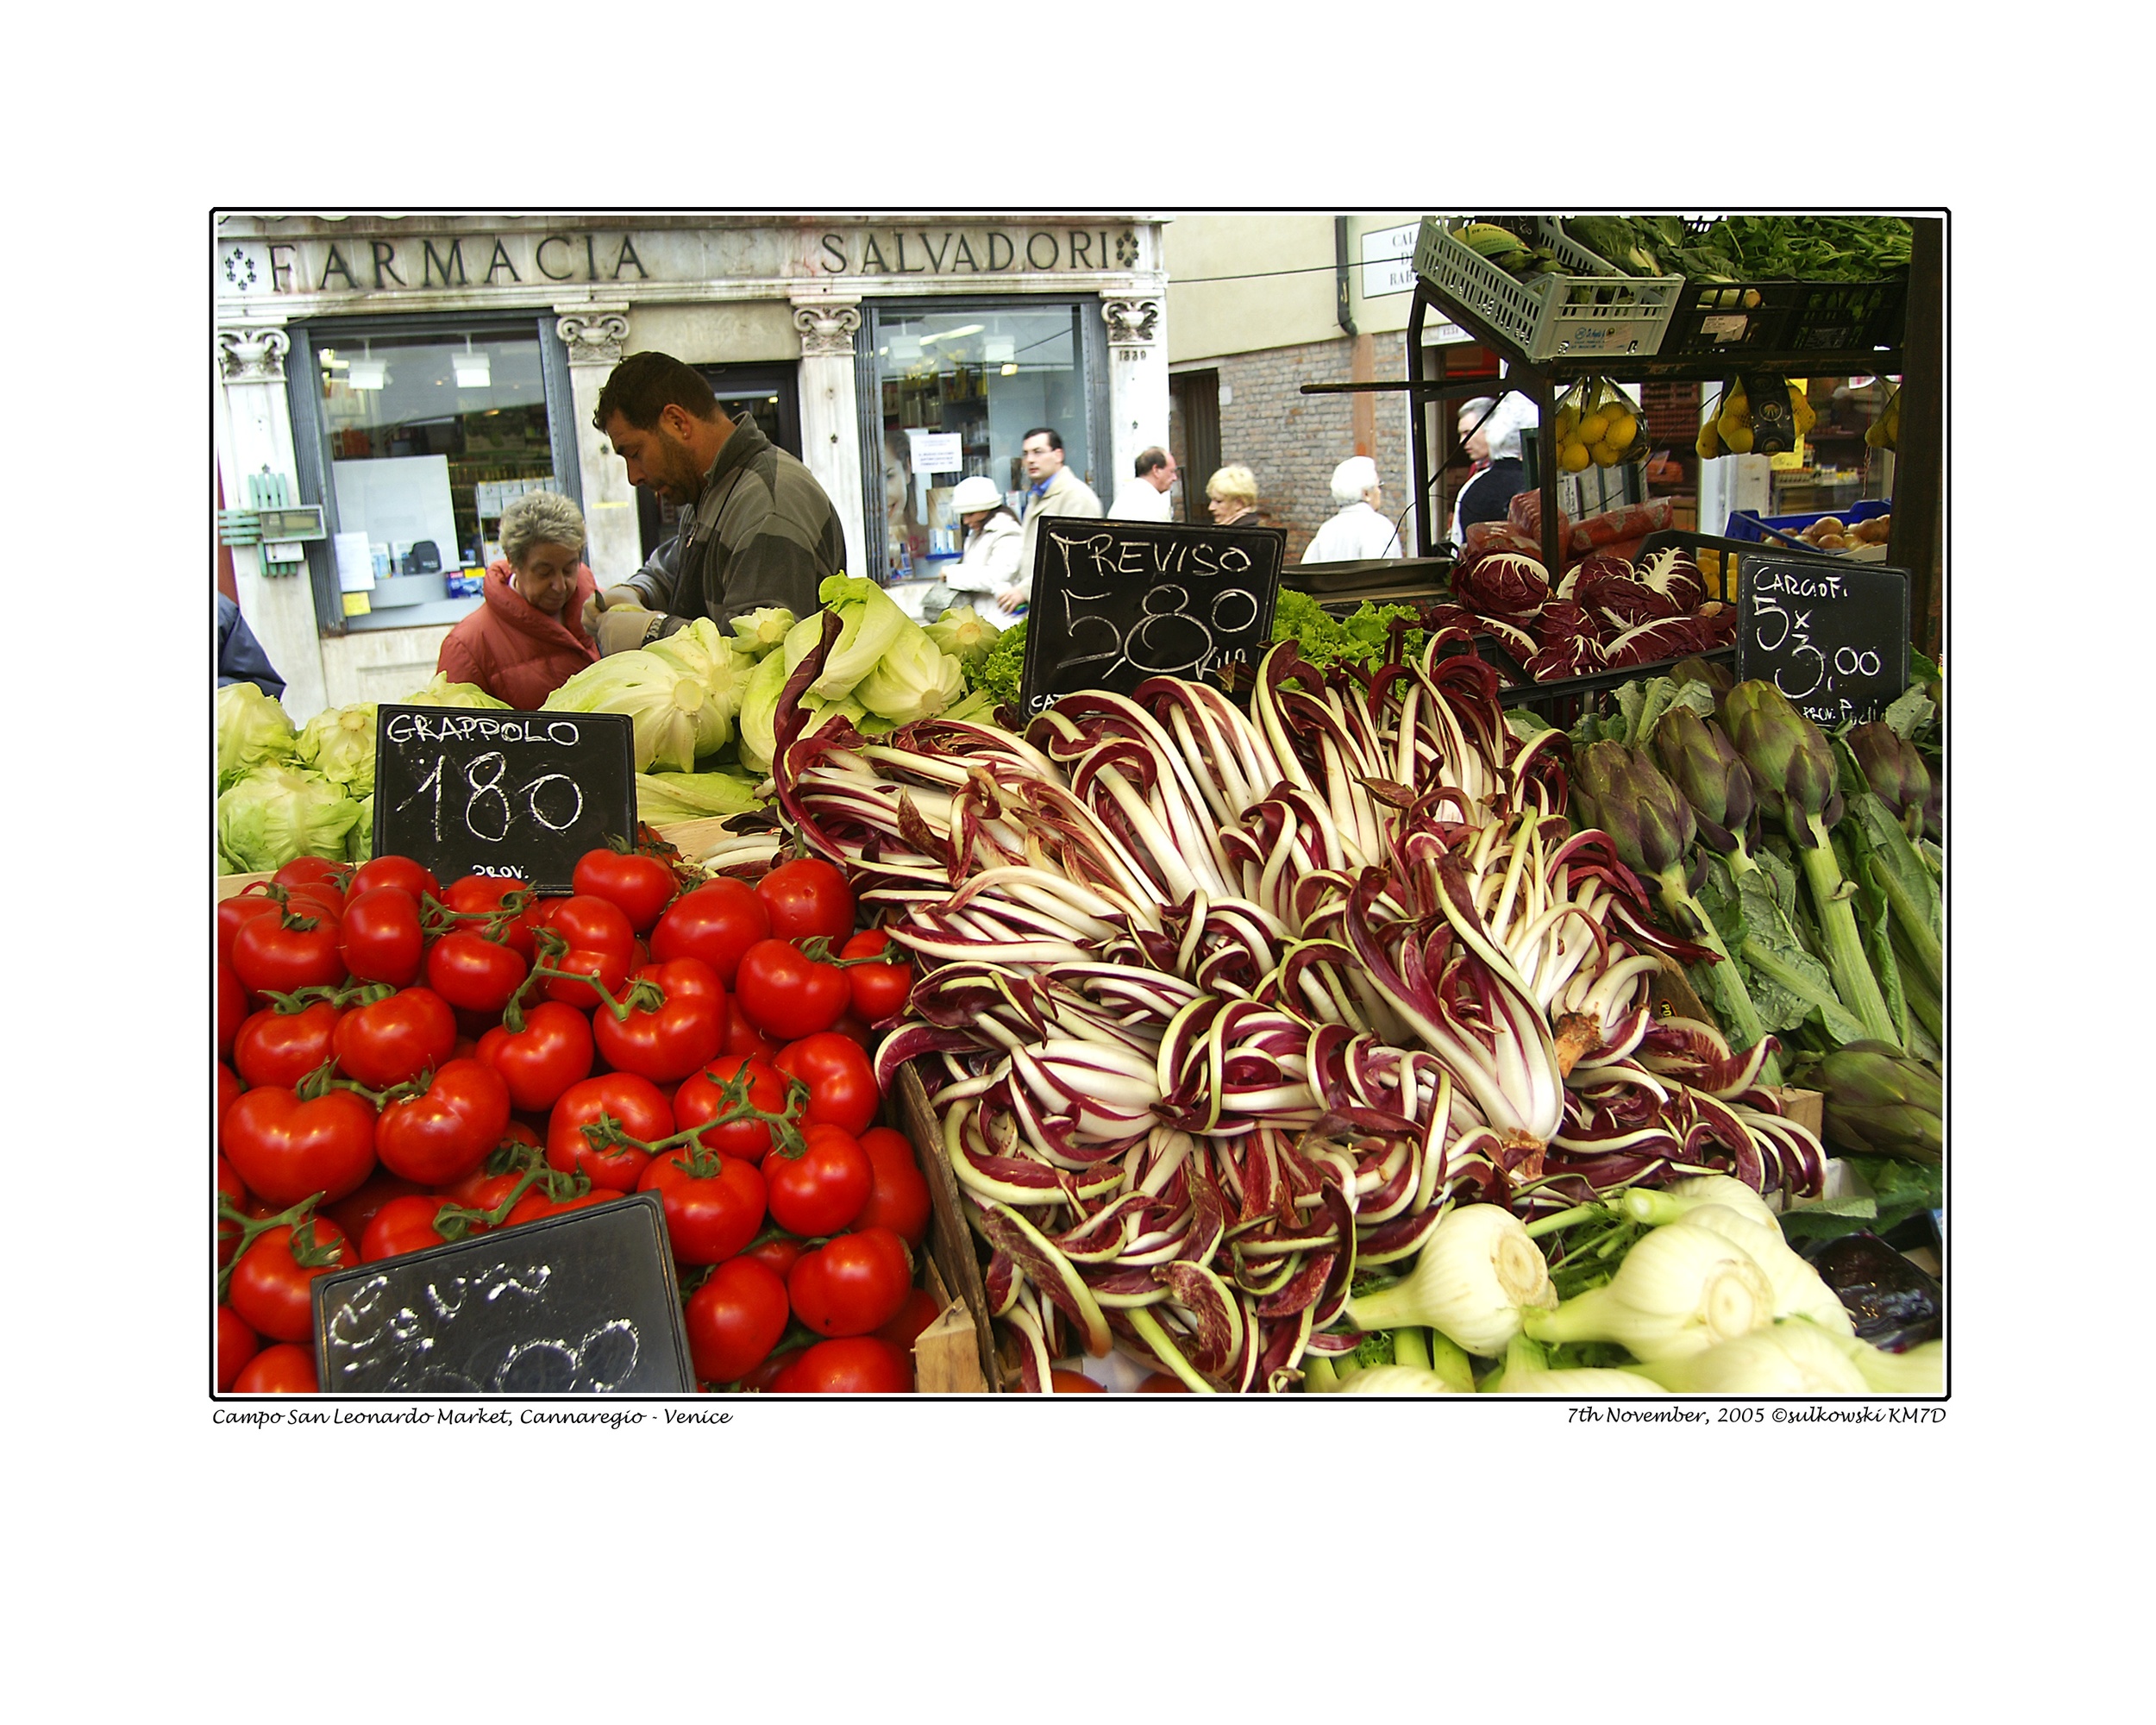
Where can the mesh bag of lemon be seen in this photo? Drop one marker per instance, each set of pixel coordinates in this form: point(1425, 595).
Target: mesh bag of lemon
point(1597, 424)
point(1755, 415)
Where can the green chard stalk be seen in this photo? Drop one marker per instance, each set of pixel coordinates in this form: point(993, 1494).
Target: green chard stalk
point(1793, 769)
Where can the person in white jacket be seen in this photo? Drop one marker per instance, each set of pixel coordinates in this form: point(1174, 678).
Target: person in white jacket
point(1144, 497)
point(989, 559)
point(1361, 530)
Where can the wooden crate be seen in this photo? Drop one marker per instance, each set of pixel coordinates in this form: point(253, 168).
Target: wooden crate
point(962, 1354)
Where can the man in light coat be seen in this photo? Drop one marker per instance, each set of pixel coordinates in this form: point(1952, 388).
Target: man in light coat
point(1056, 491)
point(1144, 497)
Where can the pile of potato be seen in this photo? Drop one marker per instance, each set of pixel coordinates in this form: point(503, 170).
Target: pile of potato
point(1830, 534)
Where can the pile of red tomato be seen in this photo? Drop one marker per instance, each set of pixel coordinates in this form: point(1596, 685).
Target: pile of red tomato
point(402, 1064)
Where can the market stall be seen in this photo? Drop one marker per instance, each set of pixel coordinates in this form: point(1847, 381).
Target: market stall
point(1219, 990)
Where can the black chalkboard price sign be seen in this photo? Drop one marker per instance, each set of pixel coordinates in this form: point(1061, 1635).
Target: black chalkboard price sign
point(490, 791)
point(1116, 602)
point(1832, 637)
point(580, 1303)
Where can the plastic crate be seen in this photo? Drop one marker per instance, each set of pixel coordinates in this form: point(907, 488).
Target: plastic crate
point(1744, 319)
point(1671, 411)
point(1591, 309)
point(1746, 523)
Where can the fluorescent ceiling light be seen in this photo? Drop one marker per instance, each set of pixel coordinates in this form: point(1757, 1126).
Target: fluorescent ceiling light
point(999, 350)
point(906, 350)
point(474, 369)
point(368, 373)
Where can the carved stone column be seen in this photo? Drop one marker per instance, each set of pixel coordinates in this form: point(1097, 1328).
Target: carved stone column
point(1137, 381)
point(593, 332)
point(254, 431)
point(831, 422)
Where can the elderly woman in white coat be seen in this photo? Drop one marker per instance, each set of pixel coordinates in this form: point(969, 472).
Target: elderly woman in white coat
point(1361, 530)
point(989, 559)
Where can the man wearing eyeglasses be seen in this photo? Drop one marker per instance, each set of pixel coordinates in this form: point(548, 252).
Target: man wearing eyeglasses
point(1055, 490)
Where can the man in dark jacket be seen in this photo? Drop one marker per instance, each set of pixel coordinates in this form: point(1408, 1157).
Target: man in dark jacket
point(756, 529)
point(239, 655)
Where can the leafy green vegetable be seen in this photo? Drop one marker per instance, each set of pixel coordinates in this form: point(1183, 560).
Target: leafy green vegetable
point(693, 796)
point(870, 620)
point(339, 745)
point(253, 729)
point(1362, 638)
point(276, 813)
point(1001, 671)
point(1749, 248)
point(1898, 1191)
point(673, 715)
point(444, 693)
point(965, 634)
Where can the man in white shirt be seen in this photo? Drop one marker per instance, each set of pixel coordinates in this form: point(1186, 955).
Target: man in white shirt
point(1144, 497)
point(1361, 532)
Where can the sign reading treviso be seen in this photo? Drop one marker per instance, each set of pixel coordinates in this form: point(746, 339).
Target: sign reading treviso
point(364, 263)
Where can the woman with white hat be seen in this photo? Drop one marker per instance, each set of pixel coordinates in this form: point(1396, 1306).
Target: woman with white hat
point(988, 561)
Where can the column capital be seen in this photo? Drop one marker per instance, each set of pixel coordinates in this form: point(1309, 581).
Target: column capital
point(1132, 317)
point(827, 324)
point(592, 330)
point(253, 354)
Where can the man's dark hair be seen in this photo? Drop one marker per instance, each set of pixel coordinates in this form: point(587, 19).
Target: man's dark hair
point(1054, 438)
point(1150, 462)
point(642, 385)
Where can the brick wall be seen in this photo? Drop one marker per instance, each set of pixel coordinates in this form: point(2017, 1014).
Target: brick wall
point(1293, 442)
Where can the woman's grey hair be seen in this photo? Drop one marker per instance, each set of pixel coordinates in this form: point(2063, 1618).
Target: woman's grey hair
point(1354, 476)
point(540, 517)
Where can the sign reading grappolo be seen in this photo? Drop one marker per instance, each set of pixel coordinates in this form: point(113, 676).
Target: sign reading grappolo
point(473, 792)
point(1116, 602)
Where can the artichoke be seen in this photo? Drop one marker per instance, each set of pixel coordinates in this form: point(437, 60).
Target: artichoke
point(1879, 1102)
point(1703, 764)
point(1649, 823)
point(1792, 763)
point(1895, 771)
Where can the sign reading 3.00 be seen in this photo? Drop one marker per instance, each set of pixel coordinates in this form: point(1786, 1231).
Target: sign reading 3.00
point(1832, 634)
point(492, 791)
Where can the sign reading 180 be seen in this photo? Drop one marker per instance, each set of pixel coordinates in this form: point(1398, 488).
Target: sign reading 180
point(553, 800)
point(501, 792)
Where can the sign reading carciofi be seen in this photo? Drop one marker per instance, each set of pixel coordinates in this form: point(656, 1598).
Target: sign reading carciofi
point(371, 260)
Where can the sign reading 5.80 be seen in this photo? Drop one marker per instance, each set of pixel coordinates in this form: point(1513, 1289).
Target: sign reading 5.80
point(485, 791)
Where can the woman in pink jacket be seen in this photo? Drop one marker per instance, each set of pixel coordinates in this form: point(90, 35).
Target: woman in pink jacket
point(528, 638)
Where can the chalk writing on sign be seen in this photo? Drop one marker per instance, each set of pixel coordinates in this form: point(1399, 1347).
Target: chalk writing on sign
point(1834, 641)
point(1118, 602)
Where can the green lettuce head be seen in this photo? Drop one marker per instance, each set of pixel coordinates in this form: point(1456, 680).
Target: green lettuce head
point(444, 693)
point(339, 745)
point(276, 813)
point(253, 729)
point(756, 633)
point(672, 717)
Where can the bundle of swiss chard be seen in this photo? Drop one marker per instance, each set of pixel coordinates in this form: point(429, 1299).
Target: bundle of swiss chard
point(1221, 1013)
point(1800, 862)
point(1749, 248)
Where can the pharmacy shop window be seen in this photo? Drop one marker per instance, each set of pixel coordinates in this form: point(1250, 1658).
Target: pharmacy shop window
point(950, 392)
point(426, 434)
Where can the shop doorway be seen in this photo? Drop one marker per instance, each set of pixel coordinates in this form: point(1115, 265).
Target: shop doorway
point(770, 395)
point(1194, 436)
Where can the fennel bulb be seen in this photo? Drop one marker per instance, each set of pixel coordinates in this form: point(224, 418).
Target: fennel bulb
point(1476, 1274)
point(1395, 1380)
point(1920, 1372)
point(1798, 1290)
point(1680, 1290)
point(1796, 1359)
point(1672, 1205)
point(1540, 1380)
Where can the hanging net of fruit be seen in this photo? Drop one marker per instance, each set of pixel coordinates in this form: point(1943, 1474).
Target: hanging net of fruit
point(1597, 423)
